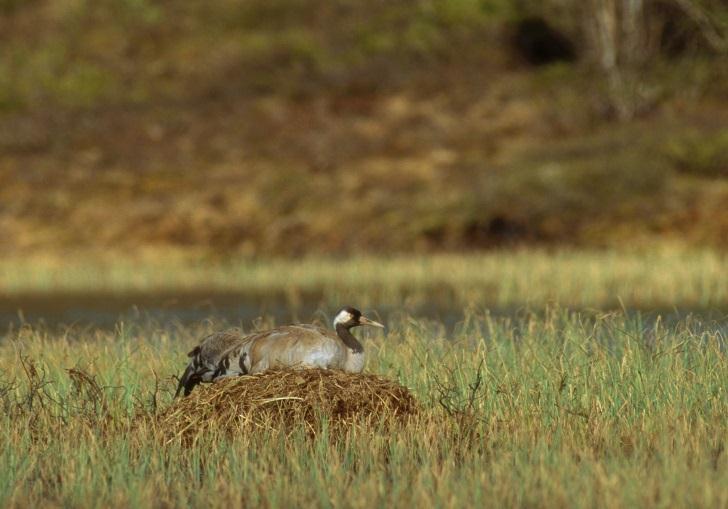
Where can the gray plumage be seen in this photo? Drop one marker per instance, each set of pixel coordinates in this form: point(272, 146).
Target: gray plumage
point(208, 360)
point(230, 353)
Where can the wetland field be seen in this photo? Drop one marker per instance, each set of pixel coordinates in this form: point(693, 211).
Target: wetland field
point(531, 197)
point(544, 379)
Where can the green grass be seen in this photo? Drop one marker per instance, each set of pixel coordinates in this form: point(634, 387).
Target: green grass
point(659, 277)
point(581, 409)
point(704, 155)
point(274, 41)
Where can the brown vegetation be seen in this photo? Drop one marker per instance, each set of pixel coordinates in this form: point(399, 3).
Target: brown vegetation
point(288, 400)
point(263, 129)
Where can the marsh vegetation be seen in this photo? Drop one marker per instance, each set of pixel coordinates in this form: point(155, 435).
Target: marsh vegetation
point(545, 406)
point(563, 408)
point(531, 196)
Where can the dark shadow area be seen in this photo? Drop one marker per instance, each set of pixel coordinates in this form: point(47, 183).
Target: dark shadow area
point(539, 43)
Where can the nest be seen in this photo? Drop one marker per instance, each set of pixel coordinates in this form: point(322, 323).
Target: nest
point(288, 400)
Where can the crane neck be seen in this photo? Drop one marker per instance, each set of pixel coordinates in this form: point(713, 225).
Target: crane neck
point(348, 338)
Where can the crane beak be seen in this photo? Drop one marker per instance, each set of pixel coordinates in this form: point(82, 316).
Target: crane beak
point(363, 320)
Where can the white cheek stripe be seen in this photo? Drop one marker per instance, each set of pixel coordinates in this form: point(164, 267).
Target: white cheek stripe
point(342, 317)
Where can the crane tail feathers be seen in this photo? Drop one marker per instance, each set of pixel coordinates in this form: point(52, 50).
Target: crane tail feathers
point(187, 381)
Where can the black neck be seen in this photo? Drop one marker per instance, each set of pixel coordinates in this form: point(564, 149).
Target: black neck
point(349, 339)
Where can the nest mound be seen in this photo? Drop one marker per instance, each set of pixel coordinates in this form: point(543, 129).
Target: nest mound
point(289, 399)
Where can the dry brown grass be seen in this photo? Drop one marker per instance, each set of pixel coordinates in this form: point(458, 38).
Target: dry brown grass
point(386, 128)
point(288, 400)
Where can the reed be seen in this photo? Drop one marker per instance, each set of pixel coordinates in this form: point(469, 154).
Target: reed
point(559, 408)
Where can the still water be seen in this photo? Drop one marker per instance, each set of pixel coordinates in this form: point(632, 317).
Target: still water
point(105, 311)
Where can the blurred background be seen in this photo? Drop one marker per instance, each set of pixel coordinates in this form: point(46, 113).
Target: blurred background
point(263, 129)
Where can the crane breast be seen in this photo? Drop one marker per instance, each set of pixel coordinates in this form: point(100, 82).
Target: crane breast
point(354, 362)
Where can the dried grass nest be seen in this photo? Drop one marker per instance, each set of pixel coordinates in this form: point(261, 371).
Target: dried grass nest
point(287, 400)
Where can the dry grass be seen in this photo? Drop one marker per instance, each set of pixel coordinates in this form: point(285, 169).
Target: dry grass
point(288, 400)
point(663, 276)
point(376, 127)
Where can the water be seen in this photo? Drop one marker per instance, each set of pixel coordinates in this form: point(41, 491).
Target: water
point(104, 311)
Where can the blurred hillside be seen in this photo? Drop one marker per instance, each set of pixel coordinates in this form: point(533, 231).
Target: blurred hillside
point(292, 126)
